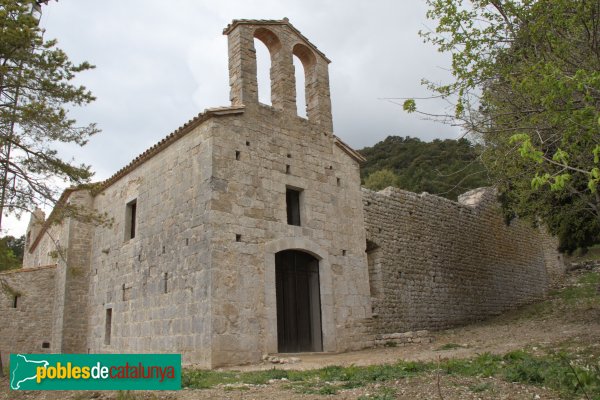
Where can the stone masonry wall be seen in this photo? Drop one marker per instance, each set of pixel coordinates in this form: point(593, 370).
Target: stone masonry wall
point(249, 200)
point(157, 284)
point(76, 280)
point(67, 245)
point(440, 263)
point(45, 253)
point(256, 156)
point(25, 328)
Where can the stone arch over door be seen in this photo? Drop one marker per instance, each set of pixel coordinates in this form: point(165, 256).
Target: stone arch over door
point(325, 286)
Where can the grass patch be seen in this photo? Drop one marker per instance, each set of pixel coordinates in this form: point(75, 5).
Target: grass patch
point(231, 388)
point(564, 302)
point(205, 379)
point(450, 346)
point(592, 253)
point(126, 395)
point(318, 381)
point(586, 289)
point(480, 387)
point(552, 370)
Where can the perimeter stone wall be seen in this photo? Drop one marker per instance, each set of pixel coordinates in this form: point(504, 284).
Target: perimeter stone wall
point(435, 263)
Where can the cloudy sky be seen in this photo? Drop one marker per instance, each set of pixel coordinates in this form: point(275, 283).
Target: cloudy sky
point(160, 63)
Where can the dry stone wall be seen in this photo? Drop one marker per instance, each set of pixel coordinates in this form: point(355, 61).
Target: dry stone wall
point(435, 263)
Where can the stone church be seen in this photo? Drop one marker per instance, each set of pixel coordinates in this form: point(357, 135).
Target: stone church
point(246, 232)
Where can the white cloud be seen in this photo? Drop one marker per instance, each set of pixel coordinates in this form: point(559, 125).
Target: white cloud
point(160, 63)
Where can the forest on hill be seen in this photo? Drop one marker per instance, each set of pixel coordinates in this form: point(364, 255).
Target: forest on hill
point(446, 168)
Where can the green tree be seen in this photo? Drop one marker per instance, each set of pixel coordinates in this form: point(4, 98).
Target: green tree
point(36, 91)
point(447, 168)
point(526, 84)
point(8, 258)
point(17, 245)
point(381, 179)
point(11, 252)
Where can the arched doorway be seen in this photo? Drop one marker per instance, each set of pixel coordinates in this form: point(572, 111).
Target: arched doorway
point(298, 302)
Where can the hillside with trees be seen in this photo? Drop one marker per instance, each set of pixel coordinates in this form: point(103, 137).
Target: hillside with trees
point(526, 83)
point(11, 252)
point(446, 168)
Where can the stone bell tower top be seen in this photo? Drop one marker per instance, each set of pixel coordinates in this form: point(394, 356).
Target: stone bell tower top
point(283, 41)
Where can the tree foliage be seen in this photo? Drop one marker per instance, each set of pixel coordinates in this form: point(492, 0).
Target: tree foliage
point(526, 84)
point(381, 179)
point(444, 167)
point(36, 91)
point(11, 252)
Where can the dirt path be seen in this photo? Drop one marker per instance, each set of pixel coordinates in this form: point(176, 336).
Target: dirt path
point(497, 337)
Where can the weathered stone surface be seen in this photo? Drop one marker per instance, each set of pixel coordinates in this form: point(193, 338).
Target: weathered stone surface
point(26, 327)
point(440, 263)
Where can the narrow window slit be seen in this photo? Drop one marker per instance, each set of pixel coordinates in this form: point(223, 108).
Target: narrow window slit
point(130, 220)
point(108, 326)
point(292, 200)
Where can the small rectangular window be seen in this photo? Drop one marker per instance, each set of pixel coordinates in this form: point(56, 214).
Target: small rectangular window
point(108, 326)
point(131, 220)
point(292, 200)
point(16, 301)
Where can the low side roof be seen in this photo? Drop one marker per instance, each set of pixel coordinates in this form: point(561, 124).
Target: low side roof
point(136, 162)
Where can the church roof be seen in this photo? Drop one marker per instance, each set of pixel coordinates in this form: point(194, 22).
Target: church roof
point(172, 137)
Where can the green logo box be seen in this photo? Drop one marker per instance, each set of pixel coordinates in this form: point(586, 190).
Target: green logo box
point(95, 371)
